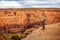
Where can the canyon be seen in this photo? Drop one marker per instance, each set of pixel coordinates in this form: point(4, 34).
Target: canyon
point(15, 20)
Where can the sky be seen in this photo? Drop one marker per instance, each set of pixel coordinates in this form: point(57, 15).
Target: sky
point(29, 3)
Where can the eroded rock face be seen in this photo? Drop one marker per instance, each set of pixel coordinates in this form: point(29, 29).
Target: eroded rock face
point(52, 32)
point(19, 17)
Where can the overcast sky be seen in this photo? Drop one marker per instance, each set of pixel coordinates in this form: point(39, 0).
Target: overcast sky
point(30, 4)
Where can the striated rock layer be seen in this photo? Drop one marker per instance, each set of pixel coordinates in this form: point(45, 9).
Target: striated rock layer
point(15, 20)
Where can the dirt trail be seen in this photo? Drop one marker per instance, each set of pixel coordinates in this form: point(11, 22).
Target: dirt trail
point(52, 32)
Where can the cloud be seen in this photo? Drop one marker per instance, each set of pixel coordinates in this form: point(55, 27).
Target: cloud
point(10, 4)
point(30, 3)
point(42, 3)
point(38, 2)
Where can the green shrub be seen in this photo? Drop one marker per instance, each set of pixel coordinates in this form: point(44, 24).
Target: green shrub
point(16, 38)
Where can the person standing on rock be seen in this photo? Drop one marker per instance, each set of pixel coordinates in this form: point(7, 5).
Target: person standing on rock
point(43, 20)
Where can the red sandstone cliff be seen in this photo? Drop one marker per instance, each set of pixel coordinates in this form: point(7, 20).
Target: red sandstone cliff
point(19, 17)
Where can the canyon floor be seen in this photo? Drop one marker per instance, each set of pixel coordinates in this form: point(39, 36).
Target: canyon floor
point(52, 32)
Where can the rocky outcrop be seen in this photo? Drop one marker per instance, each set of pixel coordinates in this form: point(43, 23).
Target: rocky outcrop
point(52, 32)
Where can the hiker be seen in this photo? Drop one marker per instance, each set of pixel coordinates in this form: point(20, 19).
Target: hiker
point(43, 20)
